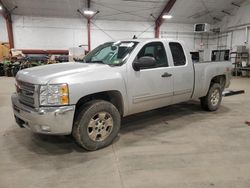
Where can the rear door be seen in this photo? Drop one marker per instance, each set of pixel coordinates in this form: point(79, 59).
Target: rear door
point(183, 79)
point(151, 87)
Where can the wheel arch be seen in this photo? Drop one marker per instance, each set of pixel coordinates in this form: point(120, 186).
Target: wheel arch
point(219, 79)
point(112, 96)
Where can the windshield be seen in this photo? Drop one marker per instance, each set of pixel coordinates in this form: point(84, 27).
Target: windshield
point(111, 53)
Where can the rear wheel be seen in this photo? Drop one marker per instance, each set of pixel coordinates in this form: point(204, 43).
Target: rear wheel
point(96, 125)
point(212, 101)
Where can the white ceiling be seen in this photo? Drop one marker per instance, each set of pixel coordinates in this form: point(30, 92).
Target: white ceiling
point(184, 11)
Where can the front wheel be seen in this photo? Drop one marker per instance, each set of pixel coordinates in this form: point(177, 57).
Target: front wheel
point(212, 101)
point(96, 125)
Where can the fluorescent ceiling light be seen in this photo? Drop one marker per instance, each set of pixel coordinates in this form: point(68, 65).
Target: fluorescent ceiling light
point(89, 12)
point(1, 7)
point(167, 16)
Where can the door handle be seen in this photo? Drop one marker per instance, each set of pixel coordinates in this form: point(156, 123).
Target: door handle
point(166, 74)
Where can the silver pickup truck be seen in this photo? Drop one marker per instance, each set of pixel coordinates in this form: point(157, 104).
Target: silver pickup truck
point(87, 99)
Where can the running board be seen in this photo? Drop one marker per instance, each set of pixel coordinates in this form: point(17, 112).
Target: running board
point(228, 93)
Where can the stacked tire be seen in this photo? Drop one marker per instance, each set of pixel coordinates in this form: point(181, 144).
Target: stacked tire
point(2, 72)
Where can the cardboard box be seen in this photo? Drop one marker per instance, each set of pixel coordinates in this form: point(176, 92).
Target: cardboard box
point(4, 50)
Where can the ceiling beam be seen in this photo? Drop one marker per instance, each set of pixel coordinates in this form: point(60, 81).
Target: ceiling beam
point(89, 29)
point(159, 20)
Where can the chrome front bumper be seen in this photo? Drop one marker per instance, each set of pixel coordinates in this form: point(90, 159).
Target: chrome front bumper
point(45, 120)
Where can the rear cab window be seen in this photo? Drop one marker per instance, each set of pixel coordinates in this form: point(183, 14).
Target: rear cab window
point(178, 54)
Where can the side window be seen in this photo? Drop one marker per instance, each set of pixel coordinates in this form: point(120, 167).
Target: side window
point(177, 53)
point(156, 50)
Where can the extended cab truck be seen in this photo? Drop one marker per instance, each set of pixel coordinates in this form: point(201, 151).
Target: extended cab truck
point(87, 99)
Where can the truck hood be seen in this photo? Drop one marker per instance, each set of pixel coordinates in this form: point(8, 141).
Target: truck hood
point(43, 74)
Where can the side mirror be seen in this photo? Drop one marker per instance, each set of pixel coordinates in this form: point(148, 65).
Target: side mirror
point(144, 62)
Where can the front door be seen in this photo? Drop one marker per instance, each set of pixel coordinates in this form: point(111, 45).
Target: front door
point(151, 87)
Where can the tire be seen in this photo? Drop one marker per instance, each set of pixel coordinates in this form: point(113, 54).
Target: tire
point(8, 72)
point(211, 102)
point(96, 125)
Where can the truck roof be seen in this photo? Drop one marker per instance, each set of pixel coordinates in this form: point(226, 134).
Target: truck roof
point(151, 39)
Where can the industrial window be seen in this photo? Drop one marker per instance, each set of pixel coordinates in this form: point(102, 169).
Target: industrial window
point(178, 54)
point(156, 50)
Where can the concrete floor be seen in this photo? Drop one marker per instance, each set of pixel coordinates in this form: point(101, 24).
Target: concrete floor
point(179, 147)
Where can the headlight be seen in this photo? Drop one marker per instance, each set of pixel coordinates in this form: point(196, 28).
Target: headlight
point(54, 94)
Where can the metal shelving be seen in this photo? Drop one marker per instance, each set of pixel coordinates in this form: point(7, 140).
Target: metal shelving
point(237, 59)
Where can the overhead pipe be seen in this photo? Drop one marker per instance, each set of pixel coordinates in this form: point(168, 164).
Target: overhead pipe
point(45, 52)
point(159, 20)
point(231, 41)
point(247, 35)
point(240, 26)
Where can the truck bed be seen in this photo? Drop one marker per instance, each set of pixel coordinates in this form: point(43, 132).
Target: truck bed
point(204, 72)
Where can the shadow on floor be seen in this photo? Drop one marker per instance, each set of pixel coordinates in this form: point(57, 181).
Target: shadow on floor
point(148, 123)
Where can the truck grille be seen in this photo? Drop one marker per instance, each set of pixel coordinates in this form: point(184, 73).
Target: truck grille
point(26, 93)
